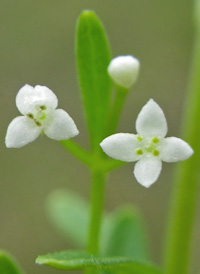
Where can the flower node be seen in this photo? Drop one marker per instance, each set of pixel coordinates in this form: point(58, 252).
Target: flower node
point(139, 151)
point(139, 138)
point(43, 107)
point(30, 115)
point(155, 140)
point(156, 152)
point(37, 123)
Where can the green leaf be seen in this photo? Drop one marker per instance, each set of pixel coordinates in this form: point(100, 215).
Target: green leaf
point(8, 265)
point(122, 234)
point(127, 236)
point(93, 57)
point(69, 214)
point(67, 260)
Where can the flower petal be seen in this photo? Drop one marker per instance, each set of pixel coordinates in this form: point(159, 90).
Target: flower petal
point(21, 131)
point(28, 97)
point(147, 170)
point(61, 126)
point(121, 146)
point(151, 121)
point(174, 149)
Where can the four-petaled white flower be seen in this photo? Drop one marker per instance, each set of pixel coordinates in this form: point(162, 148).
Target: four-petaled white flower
point(38, 105)
point(148, 147)
point(124, 70)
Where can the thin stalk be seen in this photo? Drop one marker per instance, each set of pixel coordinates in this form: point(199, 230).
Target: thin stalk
point(185, 196)
point(78, 152)
point(121, 94)
point(110, 165)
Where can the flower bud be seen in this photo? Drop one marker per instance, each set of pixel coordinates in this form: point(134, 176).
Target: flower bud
point(124, 70)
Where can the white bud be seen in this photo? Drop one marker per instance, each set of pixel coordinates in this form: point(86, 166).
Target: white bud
point(124, 70)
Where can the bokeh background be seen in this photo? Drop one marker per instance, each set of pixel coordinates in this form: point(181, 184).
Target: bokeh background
point(37, 47)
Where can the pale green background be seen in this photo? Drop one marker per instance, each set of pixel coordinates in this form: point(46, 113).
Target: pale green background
point(37, 47)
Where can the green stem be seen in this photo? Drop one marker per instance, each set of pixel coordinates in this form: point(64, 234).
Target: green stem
point(121, 94)
point(99, 170)
point(96, 213)
point(78, 152)
point(183, 206)
point(97, 201)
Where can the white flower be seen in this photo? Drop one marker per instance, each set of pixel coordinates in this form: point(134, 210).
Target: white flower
point(148, 147)
point(38, 105)
point(124, 70)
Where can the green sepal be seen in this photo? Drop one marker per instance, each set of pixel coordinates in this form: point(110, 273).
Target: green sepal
point(72, 260)
point(8, 264)
point(127, 236)
point(93, 57)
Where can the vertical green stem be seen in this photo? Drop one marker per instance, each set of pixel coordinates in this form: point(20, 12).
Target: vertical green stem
point(183, 206)
point(98, 178)
point(97, 201)
point(96, 212)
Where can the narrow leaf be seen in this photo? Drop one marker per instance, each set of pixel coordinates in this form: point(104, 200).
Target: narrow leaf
point(8, 265)
point(128, 235)
point(93, 57)
point(67, 260)
point(69, 214)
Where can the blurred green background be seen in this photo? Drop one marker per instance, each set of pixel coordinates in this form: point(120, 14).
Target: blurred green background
point(37, 47)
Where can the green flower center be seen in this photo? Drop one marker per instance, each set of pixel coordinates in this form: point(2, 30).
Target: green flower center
point(139, 151)
point(139, 138)
point(149, 146)
point(39, 116)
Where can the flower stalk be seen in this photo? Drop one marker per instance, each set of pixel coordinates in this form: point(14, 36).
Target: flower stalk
point(120, 97)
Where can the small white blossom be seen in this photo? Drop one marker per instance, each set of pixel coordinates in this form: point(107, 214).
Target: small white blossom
point(149, 147)
point(124, 70)
point(38, 105)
